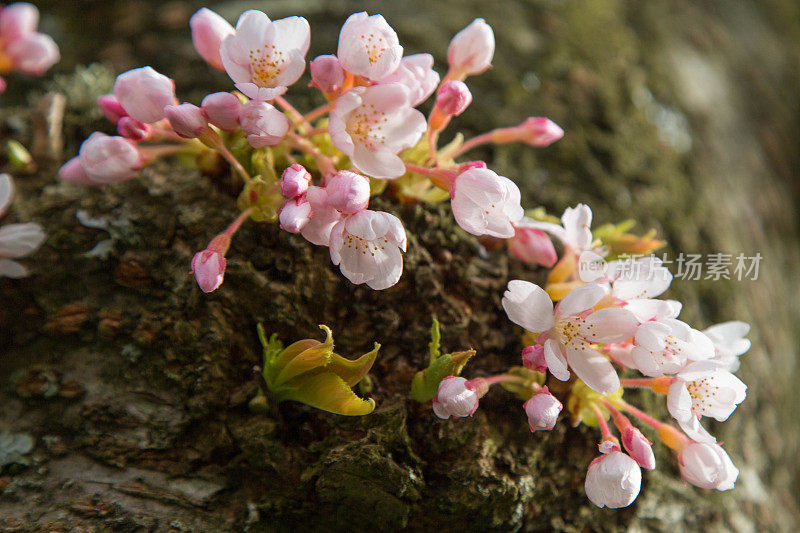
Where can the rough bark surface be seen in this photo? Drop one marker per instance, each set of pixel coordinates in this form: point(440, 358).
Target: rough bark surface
point(135, 385)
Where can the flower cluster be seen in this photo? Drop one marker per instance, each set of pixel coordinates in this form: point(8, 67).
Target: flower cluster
point(22, 48)
point(612, 323)
point(16, 240)
point(332, 159)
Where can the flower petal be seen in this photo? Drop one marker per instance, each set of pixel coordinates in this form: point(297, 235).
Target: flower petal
point(612, 324)
point(580, 299)
point(555, 359)
point(528, 305)
point(592, 368)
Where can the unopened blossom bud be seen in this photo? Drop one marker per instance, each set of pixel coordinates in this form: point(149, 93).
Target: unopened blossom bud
point(471, 50)
point(111, 107)
point(454, 97)
point(132, 129)
point(327, 74)
point(73, 172)
point(532, 246)
point(542, 410)
point(295, 214)
point(263, 124)
point(208, 32)
point(109, 159)
point(222, 110)
point(486, 204)
point(540, 131)
point(533, 358)
point(295, 181)
point(17, 20)
point(613, 480)
point(707, 466)
point(143, 93)
point(348, 192)
point(456, 397)
point(208, 268)
point(33, 54)
point(639, 448)
point(463, 167)
point(186, 119)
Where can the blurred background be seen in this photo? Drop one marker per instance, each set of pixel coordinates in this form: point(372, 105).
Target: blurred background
point(682, 115)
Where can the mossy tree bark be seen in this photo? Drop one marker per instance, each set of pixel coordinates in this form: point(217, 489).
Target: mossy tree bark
point(681, 115)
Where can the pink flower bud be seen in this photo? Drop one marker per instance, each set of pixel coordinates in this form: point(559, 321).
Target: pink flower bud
point(295, 181)
point(143, 93)
point(3, 85)
point(111, 107)
point(208, 268)
point(471, 49)
point(456, 397)
point(613, 480)
point(222, 110)
point(109, 159)
point(73, 172)
point(540, 131)
point(533, 358)
point(208, 32)
point(33, 54)
point(707, 466)
point(18, 20)
point(327, 74)
point(532, 246)
point(463, 167)
point(186, 119)
point(639, 448)
point(263, 124)
point(454, 97)
point(295, 214)
point(542, 410)
point(132, 129)
point(348, 192)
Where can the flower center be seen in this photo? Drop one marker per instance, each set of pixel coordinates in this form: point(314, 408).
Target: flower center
point(702, 392)
point(375, 46)
point(366, 126)
point(266, 65)
point(568, 329)
point(364, 246)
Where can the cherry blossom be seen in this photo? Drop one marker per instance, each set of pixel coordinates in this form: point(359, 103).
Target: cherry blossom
point(372, 124)
point(542, 410)
point(665, 347)
point(208, 32)
point(348, 192)
point(208, 268)
point(639, 448)
point(16, 240)
point(729, 342)
point(368, 47)
point(613, 480)
point(327, 74)
point(295, 181)
point(570, 329)
point(367, 246)
point(485, 203)
point(454, 97)
point(575, 231)
point(532, 245)
point(416, 73)
point(456, 397)
point(322, 219)
point(295, 214)
point(471, 50)
point(103, 159)
point(187, 120)
point(533, 358)
point(222, 110)
point(22, 48)
point(264, 57)
point(707, 466)
point(143, 93)
point(262, 124)
point(637, 282)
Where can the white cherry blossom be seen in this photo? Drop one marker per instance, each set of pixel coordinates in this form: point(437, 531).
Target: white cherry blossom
point(16, 240)
point(729, 342)
point(368, 47)
point(665, 347)
point(707, 466)
point(485, 203)
point(613, 480)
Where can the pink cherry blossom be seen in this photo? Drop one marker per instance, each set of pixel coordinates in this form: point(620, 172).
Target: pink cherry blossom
point(372, 124)
point(542, 410)
point(111, 107)
point(368, 47)
point(533, 358)
point(186, 119)
point(540, 131)
point(73, 172)
point(264, 57)
point(143, 93)
point(484, 203)
point(456, 397)
point(208, 32)
point(18, 20)
point(16, 240)
point(574, 232)
point(729, 342)
point(132, 129)
point(639, 448)
point(454, 97)
point(570, 329)
point(416, 73)
point(327, 74)
point(707, 466)
point(348, 192)
point(109, 159)
point(208, 267)
point(471, 50)
point(323, 217)
point(532, 245)
point(263, 124)
point(613, 480)
point(222, 110)
point(22, 48)
point(665, 347)
point(295, 214)
point(367, 247)
point(295, 181)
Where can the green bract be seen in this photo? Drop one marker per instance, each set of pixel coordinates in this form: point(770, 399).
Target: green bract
point(426, 382)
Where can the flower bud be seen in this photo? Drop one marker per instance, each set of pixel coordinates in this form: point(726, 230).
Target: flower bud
point(18, 20)
point(208, 268)
point(33, 54)
point(638, 447)
point(532, 246)
point(613, 480)
point(109, 159)
point(111, 107)
point(327, 74)
point(295, 214)
point(542, 410)
point(132, 129)
point(348, 192)
point(73, 172)
point(454, 97)
point(707, 466)
point(471, 49)
point(143, 93)
point(295, 181)
point(456, 397)
point(186, 119)
point(533, 358)
point(222, 110)
point(540, 131)
point(208, 32)
point(263, 124)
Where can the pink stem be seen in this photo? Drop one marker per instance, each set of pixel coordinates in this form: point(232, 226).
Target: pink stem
point(603, 424)
point(324, 163)
point(476, 141)
point(236, 224)
point(317, 113)
point(297, 117)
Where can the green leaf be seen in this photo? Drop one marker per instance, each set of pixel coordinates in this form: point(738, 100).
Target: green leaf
point(435, 344)
point(328, 392)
